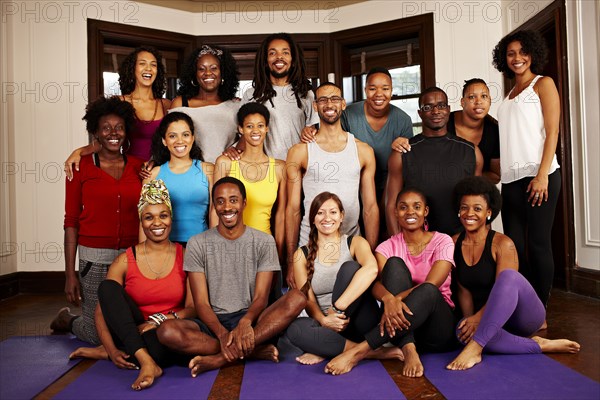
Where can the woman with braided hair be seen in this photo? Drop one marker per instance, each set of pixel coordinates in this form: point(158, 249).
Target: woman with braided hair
point(340, 270)
point(144, 287)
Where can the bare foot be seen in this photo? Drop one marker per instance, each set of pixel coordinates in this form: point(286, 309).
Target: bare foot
point(386, 353)
point(544, 326)
point(343, 363)
point(148, 373)
point(94, 353)
point(413, 368)
point(62, 321)
point(265, 352)
point(557, 345)
point(201, 364)
point(309, 359)
point(468, 357)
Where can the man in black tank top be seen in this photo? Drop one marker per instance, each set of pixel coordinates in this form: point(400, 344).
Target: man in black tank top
point(437, 161)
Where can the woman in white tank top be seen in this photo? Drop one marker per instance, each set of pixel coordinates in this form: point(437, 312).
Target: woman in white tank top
point(528, 120)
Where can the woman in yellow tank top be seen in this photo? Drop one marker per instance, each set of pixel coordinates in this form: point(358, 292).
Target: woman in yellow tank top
point(261, 175)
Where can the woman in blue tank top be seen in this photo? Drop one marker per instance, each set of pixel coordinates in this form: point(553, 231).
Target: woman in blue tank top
point(188, 178)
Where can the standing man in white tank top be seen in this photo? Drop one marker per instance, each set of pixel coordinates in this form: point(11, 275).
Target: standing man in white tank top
point(336, 162)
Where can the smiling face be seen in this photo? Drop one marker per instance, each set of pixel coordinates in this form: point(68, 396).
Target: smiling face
point(208, 73)
point(437, 117)
point(111, 132)
point(473, 212)
point(476, 101)
point(254, 129)
point(156, 222)
point(229, 205)
point(328, 218)
point(279, 58)
point(146, 68)
point(378, 91)
point(329, 104)
point(411, 210)
point(178, 139)
point(517, 59)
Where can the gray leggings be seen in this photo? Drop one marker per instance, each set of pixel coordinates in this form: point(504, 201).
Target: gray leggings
point(309, 336)
point(90, 276)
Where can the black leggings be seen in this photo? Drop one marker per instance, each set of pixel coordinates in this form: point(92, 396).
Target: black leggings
point(530, 228)
point(432, 323)
point(308, 335)
point(122, 317)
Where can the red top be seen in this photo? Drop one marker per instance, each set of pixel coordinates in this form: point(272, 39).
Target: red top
point(102, 207)
point(156, 295)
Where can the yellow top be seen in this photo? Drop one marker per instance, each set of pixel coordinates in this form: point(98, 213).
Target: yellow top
point(260, 196)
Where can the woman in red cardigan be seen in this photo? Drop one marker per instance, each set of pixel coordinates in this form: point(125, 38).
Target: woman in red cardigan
point(101, 218)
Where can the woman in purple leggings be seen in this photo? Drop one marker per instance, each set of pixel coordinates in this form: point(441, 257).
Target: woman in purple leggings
point(501, 309)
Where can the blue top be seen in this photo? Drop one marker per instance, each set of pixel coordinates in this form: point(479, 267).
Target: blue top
point(190, 199)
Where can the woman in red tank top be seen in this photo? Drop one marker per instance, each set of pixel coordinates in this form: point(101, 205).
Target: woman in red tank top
point(144, 287)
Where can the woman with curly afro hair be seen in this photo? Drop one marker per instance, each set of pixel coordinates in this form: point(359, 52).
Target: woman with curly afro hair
point(143, 83)
point(528, 120)
point(209, 81)
point(501, 309)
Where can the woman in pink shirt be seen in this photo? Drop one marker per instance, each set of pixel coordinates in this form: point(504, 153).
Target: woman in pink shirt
point(414, 289)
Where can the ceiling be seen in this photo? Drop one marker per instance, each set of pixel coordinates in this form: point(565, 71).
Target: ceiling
point(199, 6)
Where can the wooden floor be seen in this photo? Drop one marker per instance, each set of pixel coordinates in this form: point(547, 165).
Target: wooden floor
point(569, 315)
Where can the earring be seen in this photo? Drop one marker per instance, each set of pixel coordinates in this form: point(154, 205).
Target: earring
point(194, 83)
point(426, 225)
point(489, 217)
point(458, 215)
point(122, 150)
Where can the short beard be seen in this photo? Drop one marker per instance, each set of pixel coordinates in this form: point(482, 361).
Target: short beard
point(279, 75)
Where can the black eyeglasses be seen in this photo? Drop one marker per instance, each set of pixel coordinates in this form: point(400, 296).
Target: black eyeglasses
point(324, 100)
point(430, 107)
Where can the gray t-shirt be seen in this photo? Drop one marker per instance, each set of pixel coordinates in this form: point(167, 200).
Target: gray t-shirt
point(230, 266)
point(287, 120)
point(398, 124)
point(215, 127)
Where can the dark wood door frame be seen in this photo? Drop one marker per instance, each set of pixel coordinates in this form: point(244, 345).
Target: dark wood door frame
point(101, 33)
point(553, 19)
point(421, 25)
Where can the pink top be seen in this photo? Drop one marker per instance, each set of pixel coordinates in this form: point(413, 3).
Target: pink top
point(441, 247)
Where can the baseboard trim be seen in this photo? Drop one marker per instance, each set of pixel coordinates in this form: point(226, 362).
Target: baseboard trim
point(585, 282)
point(31, 282)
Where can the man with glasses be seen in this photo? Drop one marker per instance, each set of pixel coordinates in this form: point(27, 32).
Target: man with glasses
point(335, 162)
point(437, 161)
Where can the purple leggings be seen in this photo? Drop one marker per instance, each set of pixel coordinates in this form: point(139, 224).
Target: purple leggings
point(512, 313)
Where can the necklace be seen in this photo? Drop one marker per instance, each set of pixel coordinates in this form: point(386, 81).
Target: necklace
point(163, 262)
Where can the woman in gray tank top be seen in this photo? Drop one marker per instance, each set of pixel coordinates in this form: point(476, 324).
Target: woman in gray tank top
point(340, 270)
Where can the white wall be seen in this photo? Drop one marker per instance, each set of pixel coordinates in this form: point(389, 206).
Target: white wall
point(43, 67)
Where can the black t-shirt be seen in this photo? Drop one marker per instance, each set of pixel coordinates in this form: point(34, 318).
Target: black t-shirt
point(435, 165)
point(490, 139)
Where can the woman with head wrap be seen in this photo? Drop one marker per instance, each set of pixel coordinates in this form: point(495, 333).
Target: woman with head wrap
point(144, 287)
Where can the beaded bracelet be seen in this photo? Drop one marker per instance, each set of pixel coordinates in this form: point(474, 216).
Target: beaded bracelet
point(337, 310)
point(157, 318)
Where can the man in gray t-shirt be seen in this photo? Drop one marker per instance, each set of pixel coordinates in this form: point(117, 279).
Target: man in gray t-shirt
point(231, 268)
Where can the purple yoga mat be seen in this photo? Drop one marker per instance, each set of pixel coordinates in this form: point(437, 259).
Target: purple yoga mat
point(28, 364)
point(526, 376)
point(104, 380)
point(291, 380)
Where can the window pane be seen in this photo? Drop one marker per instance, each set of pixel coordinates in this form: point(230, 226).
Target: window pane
point(410, 107)
point(406, 81)
point(111, 83)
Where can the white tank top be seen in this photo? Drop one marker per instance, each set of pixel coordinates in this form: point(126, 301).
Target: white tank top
point(522, 135)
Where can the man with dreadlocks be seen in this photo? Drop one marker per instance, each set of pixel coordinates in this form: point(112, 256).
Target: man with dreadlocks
point(280, 83)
